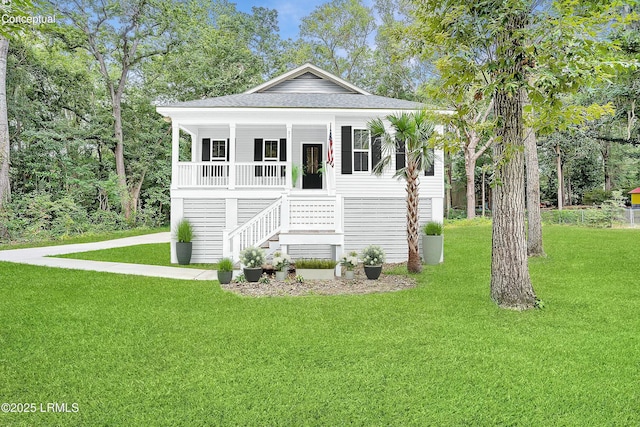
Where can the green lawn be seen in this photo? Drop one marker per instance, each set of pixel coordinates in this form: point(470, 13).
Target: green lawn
point(149, 254)
point(148, 351)
point(84, 238)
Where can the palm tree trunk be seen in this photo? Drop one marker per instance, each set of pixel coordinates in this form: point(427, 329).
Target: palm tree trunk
point(414, 263)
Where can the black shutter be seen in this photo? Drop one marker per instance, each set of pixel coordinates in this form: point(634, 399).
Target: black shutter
point(431, 171)
point(206, 156)
point(228, 148)
point(400, 155)
point(283, 155)
point(257, 154)
point(346, 150)
point(206, 149)
point(376, 150)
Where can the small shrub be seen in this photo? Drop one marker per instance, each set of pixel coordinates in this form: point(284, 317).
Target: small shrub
point(299, 279)
point(595, 197)
point(433, 228)
point(184, 231)
point(252, 257)
point(349, 261)
point(316, 264)
point(281, 261)
point(240, 279)
point(372, 255)
point(225, 264)
point(264, 279)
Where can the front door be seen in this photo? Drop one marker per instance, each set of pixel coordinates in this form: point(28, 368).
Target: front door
point(312, 162)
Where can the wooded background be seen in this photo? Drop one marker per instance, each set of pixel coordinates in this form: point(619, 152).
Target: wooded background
point(88, 152)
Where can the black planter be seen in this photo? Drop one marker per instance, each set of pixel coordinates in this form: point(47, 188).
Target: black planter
point(224, 277)
point(252, 274)
point(183, 252)
point(372, 271)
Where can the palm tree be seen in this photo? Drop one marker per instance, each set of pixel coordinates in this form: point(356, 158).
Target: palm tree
point(410, 133)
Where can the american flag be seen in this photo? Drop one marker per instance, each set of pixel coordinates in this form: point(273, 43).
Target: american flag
point(330, 152)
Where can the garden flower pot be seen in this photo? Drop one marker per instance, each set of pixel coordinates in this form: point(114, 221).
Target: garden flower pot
point(183, 252)
point(316, 273)
point(372, 271)
point(252, 274)
point(224, 277)
point(349, 274)
point(432, 248)
point(281, 275)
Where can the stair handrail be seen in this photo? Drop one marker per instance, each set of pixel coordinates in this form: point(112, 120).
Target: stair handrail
point(256, 231)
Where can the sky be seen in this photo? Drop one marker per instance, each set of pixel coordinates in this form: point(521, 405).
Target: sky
point(290, 12)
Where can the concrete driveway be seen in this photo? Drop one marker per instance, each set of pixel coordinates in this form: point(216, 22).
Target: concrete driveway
point(41, 256)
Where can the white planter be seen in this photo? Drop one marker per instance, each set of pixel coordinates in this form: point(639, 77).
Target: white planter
point(432, 249)
point(349, 274)
point(281, 275)
point(316, 274)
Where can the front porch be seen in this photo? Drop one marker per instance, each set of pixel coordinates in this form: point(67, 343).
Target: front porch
point(246, 156)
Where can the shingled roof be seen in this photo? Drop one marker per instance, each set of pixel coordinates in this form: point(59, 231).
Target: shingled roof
point(305, 87)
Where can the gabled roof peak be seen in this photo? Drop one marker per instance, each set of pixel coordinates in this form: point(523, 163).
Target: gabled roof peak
point(288, 82)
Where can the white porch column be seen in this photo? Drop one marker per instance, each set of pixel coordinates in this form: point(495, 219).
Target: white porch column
point(232, 156)
point(175, 153)
point(288, 179)
point(437, 209)
point(284, 214)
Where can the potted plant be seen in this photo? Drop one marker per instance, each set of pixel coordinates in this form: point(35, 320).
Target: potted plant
point(372, 258)
point(184, 236)
point(281, 265)
point(225, 270)
point(316, 269)
point(252, 259)
point(349, 262)
point(297, 171)
point(432, 243)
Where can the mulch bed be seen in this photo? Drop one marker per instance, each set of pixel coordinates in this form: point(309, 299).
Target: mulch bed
point(340, 286)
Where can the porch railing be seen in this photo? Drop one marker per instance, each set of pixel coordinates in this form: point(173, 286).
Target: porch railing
point(254, 232)
point(218, 174)
point(287, 214)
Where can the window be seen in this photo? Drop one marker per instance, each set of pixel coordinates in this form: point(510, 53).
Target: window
point(271, 150)
point(219, 150)
point(214, 150)
point(361, 143)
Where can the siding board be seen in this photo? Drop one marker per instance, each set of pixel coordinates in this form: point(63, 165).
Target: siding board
point(208, 220)
point(370, 221)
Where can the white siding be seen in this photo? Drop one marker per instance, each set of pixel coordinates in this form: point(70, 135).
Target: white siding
point(208, 220)
point(245, 136)
point(310, 251)
point(369, 221)
point(308, 83)
point(248, 208)
point(385, 186)
point(309, 134)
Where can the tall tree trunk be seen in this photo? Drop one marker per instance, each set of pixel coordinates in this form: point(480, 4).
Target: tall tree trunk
point(606, 152)
point(448, 184)
point(125, 198)
point(534, 217)
point(414, 263)
point(470, 172)
point(5, 186)
point(560, 177)
point(510, 281)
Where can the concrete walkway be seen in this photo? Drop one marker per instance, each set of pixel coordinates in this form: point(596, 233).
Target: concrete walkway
point(39, 256)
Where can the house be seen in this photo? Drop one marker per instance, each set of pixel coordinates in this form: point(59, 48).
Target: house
point(237, 188)
point(635, 198)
